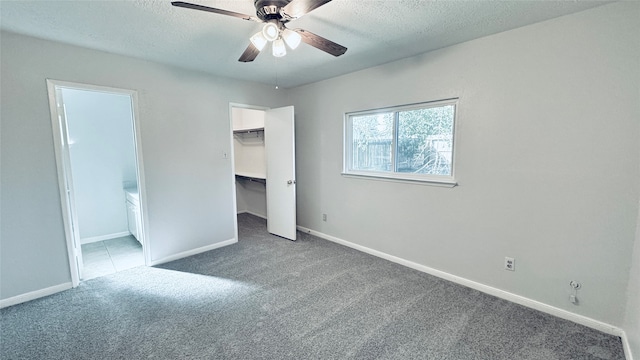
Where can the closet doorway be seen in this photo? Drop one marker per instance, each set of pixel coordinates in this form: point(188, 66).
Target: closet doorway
point(100, 179)
point(264, 165)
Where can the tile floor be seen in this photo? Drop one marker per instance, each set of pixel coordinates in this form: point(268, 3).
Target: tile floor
point(110, 256)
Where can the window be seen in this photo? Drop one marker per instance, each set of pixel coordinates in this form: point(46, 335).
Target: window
point(411, 142)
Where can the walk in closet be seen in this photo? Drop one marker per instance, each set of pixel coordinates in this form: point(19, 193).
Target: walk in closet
point(264, 163)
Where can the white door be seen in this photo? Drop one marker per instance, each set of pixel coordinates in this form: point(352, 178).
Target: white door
point(279, 138)
point(68, 182)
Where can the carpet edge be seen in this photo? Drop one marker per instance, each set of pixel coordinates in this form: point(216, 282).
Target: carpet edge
point(518, 299)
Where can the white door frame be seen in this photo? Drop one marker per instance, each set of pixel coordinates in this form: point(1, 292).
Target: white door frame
point(65, 183)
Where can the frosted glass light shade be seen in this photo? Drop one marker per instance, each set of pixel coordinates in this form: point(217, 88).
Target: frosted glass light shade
point(270, 31)
point(292, 38)
point(278, 48)
point(258, 40)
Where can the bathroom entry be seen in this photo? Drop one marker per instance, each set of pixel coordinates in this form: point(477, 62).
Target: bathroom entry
point(98, 172)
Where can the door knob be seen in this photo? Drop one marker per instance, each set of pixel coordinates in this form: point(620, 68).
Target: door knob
point(291, 182)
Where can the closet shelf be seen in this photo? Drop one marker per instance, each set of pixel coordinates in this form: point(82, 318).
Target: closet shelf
point(261, 178)
point(247, 131)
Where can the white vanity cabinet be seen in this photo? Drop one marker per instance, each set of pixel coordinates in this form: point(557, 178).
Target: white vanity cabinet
point(133, 213)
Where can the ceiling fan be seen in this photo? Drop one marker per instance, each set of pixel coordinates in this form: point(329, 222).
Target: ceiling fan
point(275, 14)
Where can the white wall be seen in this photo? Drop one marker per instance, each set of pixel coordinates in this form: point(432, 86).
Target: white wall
point(252, 197)
point(103, 158)
point(547, 161)
point(185, 127)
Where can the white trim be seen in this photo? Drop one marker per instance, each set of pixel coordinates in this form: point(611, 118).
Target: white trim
point(59, 149)
point(199, 250)
point(232, 157)
point(400, 179)
point(19, 299)
point(533, 304)
point(93, 239)
point(252, 213)
point(232, 177)
point(412, 106)
point(424, 179)
point(626, 346)
point(146, 241)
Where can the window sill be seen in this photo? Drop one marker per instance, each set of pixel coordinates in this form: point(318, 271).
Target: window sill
point(402, 179)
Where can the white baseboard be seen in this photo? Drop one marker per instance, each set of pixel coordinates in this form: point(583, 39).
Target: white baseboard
point(626, 346)
point(580, 319)
point(66, 286)
point(34, 295)
point(567, 315)
point(193, 252)
point(252, 213)
point(104, 237)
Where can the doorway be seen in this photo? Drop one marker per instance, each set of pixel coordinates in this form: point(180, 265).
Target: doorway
point(96, 142)
point(263, 157)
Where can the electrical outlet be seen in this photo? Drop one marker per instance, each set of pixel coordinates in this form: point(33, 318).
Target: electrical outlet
point(509, 264)
point(324, 217)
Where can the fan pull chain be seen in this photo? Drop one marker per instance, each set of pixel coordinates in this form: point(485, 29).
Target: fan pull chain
point(276, 60)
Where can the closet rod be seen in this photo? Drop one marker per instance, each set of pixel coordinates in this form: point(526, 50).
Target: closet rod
point(257, 131)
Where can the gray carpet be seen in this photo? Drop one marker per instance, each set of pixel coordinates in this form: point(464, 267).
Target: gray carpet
point(270, 298)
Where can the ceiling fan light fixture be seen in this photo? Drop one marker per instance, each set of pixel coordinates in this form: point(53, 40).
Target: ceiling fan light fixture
point(270, 31)
point(258, 40)
point(274, 14)
point(279, 50)
point(292, 38)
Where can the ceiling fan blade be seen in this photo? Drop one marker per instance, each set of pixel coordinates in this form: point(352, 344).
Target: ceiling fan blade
point(250, 53)
point(187, 5)
point(297, 8)
point(321, 43)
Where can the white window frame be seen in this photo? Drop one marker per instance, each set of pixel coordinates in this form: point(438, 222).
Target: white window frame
point(440, 180)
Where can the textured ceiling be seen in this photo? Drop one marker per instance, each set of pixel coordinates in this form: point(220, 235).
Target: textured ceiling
point(375, 32)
